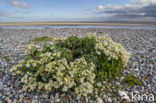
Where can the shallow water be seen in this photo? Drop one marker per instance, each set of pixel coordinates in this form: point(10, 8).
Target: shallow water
point(81, 26)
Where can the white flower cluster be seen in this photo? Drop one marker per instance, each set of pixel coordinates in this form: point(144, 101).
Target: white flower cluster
point(90, 34)
point(111, 49)
point(83, 75)
point(30, 47)
point(77, 75)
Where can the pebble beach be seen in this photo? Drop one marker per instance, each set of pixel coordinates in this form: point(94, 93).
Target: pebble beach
point(142, 64)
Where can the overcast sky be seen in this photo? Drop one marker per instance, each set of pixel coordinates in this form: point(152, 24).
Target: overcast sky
point(77, 10)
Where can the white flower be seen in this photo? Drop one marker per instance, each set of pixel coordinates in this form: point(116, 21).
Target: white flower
point(34, 64)
point(98, 53)
point(48, 54)
point(27, 65)
point(111, 49)
point(48, 87)
point(30, 46)
point(64, 89)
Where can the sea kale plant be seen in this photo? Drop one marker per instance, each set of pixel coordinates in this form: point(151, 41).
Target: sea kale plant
point(74, 63)
point(112, 57)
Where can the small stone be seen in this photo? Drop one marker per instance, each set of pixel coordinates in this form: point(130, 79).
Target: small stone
point(3, 97)
point(57, 100)
point(33, 101)
point(9, 101)
point(56, 95)
point(52, 97)
point(114, 100)
point(117, 83)
point(51, 102)
point(7, 98)
point(104, 97)
point(150, 65)
point(121, 79)
point(20, 100)
point(109, 100)
point(20, 91)
point(21, 95)
point(86, 99)
point(96, 96)
point(78, 97)
point(62, 95)
point(4, 79)
point(1, 87)
point(8, 93)
point(45, 96)
point(91, 101)
point(123, 95)
point(99, 100)
point(28, 101)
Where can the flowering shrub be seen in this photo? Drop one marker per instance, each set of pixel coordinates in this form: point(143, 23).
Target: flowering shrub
point(111, 49)
point(111, 56)
point(71, 63)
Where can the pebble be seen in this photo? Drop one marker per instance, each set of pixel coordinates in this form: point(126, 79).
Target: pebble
point(56, 95)
point(28, 101)
point(123, 95)
point(117, 83)
point(45, 96)
point(21, 95)
point(78, 97)
point(110, 100)
point(57, 100)
point(52, 97)
point(99, 100)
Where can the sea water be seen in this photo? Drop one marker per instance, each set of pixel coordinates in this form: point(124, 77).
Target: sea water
point(151, 27)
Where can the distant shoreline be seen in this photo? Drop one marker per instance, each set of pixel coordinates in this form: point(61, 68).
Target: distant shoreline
point(72, 23)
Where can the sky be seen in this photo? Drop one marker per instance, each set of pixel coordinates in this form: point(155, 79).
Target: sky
point(77, 10)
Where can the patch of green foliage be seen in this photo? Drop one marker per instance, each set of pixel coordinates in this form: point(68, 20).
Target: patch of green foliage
point(108, 68)
point(53, 48)
point(42, 39)
point(131, 80)
point(112, 58)
point(6, 58)
point(100, 32)
point(86, 47)
point(78, 46)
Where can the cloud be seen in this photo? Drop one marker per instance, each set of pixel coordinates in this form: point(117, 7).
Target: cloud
point(135, 10)
point(18, 3)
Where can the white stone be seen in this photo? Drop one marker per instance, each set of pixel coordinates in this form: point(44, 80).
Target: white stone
point(57, 100)
point(109, 100)
point(123, 95)
point(99, 100)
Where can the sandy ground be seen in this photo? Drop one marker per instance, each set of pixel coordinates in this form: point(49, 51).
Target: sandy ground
point(72, 23)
